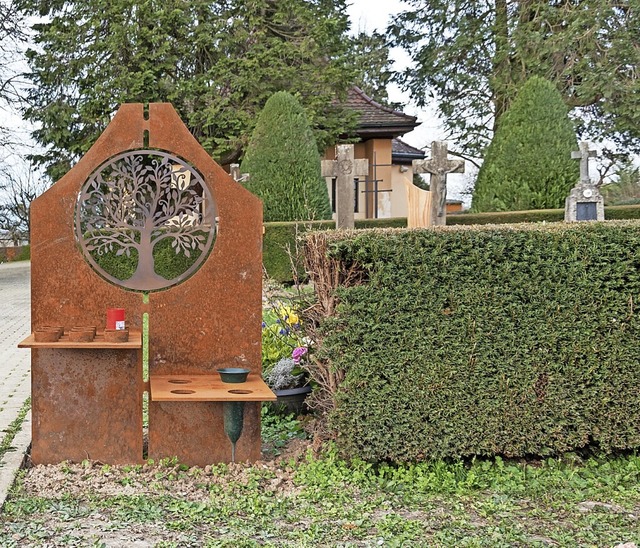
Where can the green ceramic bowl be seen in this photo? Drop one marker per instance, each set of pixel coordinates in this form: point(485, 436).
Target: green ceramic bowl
point(233, 374)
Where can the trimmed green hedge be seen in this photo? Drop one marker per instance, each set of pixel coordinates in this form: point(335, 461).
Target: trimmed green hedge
point(18, 253)
point(622, 212)
point(507, 217)
point(511, 340)
point(536, 216)
point(280, 238)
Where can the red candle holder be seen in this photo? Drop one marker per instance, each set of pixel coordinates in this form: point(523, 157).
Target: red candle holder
point(115, 318)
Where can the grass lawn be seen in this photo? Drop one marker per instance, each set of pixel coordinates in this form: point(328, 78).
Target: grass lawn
point(297, 499)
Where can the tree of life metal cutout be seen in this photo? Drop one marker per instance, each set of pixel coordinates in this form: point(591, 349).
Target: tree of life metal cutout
point(141, 205)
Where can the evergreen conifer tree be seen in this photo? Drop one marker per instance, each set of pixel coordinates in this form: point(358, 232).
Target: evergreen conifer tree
point(216, 62)
point(528, 164)
point(473, 57)
point(283, 163)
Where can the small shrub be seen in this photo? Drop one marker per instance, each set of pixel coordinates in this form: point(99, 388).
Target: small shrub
point(24, 254)
point(282, 330)
point(283, 163)
point(283, 375)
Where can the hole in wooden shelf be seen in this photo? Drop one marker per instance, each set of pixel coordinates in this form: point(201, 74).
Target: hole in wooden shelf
point(240, 391)
point(183, 391)
point(179, 381)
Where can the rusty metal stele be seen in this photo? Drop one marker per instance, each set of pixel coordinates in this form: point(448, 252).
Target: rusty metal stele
point(138, 202)
point(145, 182)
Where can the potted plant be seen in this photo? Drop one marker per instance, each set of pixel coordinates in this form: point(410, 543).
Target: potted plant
point(284, 350)
point(289, 382)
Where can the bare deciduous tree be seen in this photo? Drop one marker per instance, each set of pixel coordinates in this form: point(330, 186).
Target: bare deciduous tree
point(12, 38)
point(19, 186)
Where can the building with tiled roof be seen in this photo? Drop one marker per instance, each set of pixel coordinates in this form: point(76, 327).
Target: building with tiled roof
point(376, 120)
point(382, 193)
point(403, 153)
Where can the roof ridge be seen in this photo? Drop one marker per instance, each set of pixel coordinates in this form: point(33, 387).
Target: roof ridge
point(382, 107)
point(407, 144)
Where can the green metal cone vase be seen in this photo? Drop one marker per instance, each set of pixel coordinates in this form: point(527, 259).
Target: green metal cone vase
point(233, 413)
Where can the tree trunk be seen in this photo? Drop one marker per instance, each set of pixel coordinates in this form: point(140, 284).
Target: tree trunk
point(501, 77)
point(145, 277)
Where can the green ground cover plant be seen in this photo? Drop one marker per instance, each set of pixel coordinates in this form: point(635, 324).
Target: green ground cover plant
point(324, 501)
point(10, 433)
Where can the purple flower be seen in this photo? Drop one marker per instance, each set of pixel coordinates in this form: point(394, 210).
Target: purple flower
point(298, 352)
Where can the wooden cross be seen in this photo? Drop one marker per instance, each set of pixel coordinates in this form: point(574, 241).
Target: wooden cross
point(345, 169)
point(583, 155)
point(438, 166)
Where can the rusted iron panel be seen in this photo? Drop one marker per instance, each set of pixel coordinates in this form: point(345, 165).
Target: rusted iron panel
point(198, 437)
point(86, 404)
point(208, 388)
point(64, 288)
point(211, 320)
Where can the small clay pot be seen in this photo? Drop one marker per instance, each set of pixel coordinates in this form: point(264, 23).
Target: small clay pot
point(46, 335)
point(82, 334)
point(57, 328)
point(91, 328)
point(116, 335)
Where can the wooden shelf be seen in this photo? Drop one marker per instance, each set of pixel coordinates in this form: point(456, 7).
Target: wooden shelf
point(199, 388)
point(134, 342)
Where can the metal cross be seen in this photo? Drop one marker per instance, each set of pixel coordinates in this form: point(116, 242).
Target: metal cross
point(438, 166)
point(583, 155)
point(345, 169)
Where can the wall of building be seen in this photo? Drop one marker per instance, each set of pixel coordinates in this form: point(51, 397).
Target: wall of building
point(381, 175)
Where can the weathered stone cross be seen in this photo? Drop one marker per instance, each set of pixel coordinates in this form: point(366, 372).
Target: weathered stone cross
point(237, 176)
point(345, 169)
point(438, 166)
point(583, 155)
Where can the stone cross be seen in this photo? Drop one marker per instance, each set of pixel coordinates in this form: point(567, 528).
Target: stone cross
point(234, 171)
point(583, 155)
point(345, 169)
point(438, 166)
